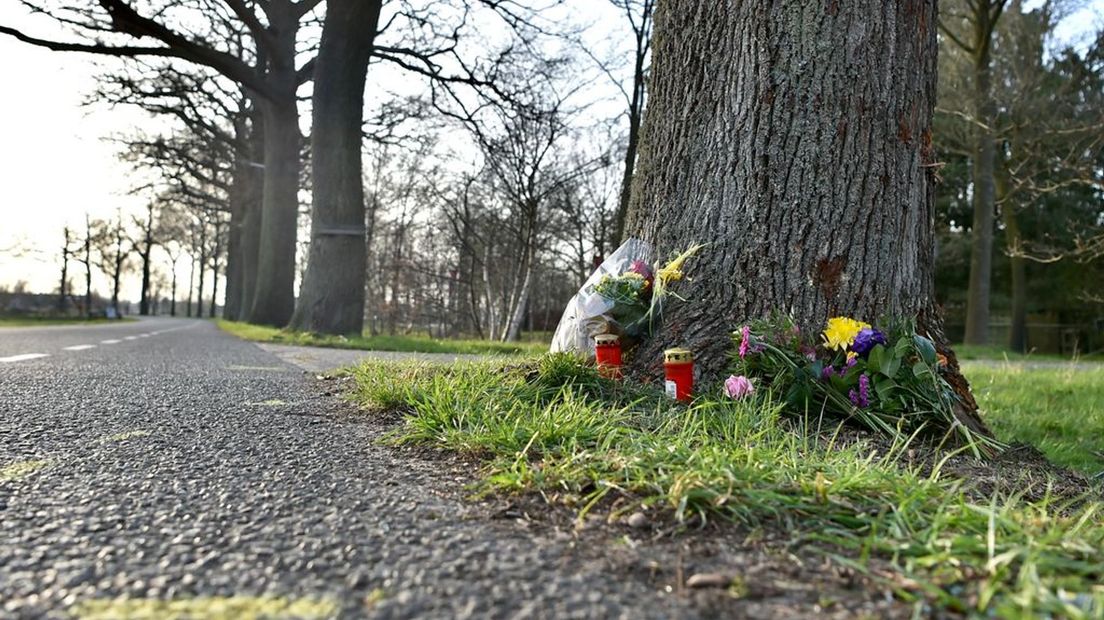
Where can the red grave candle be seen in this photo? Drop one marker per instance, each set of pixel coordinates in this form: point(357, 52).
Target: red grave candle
point(607, 350)
point(678, 365)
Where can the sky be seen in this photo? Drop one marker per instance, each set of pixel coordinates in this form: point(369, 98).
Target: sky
point(57, 164)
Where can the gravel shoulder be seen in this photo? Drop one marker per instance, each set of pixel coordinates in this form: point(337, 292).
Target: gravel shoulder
point(193, 464)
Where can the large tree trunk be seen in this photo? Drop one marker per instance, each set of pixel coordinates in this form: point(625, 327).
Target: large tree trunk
point(331, 299)
point(231, 309)
point(981, 256)
point(253, 189)
point(274, 291)
point(795, 139)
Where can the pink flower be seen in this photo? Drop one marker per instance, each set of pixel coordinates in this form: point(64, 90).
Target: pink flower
point(745, 342)
point(738, 387)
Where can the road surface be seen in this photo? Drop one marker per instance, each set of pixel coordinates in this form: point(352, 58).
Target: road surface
point(164, 460)
point(162, 468)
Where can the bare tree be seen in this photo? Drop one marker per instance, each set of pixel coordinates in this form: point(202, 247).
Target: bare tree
point(272, 79)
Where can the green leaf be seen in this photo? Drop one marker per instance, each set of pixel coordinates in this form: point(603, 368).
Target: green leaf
point(921, 370)
point(885, 388)
point(891, 365)
point(925, 347)
point(875, 360)
point(903, 347)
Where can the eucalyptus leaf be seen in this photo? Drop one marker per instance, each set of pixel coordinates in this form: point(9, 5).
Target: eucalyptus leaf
point(925, 347)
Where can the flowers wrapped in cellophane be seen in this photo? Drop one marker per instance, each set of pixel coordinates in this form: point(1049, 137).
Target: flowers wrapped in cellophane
point(623, 296)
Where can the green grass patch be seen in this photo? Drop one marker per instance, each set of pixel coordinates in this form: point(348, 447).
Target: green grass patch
point(30, 321)
point(966, 352)
point(1058, 410)
point(557, 428)
point(410, 344)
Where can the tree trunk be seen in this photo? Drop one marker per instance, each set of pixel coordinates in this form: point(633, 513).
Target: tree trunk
point(274, 290)
point(202, 262)
point(981, 256)
point(331, 299)
point(145, 255)
point(172, 303)
point(795, 139)
point(1017, 333)
point(253, 189)
point(231, 309)
point(215, 271)
point(636, 107)
point(87, 267)
point(191, 286)
point(64, 272)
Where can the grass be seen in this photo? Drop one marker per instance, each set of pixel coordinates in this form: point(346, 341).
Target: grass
point(581, 441)
point(416, 344)
point(31, 321)
point(1058, 410)
point(967, 352)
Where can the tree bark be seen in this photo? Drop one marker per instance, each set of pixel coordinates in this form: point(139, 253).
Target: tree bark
point(795, 139)
point(331, 299)
point(274, 291)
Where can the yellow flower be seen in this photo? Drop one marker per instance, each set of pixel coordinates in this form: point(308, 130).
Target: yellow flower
point(672, 271)
point(841, 331)
point(851, 355)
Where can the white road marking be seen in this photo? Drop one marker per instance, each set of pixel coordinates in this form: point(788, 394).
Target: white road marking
point(130, 338)
point(22, 357)
point(79, 347)
point(143, 335)
point(110, 341)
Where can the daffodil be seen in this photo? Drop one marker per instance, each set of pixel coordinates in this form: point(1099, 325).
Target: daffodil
point(841, 331)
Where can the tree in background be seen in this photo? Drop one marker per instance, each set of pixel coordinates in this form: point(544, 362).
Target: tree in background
point(1047, 128)
point(110, 241)
point(271, 76)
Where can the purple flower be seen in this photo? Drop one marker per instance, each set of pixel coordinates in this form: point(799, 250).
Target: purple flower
point(808, 352)
point(866, 339)
point(738, 387)
point(861, 398)
point(745, 341)
point(827, 372)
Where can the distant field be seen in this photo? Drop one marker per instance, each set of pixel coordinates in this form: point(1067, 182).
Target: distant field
point(415, 344)
point(22, 321)
point(1059, 410)
point(993, 352)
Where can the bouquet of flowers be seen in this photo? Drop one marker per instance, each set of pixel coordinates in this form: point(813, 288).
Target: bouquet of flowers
point(889, 380)
point(624, 296)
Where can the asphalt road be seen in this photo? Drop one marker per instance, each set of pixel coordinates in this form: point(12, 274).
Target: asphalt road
point(163, 460)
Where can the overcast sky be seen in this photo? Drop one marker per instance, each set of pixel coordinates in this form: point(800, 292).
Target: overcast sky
point(56, 163)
